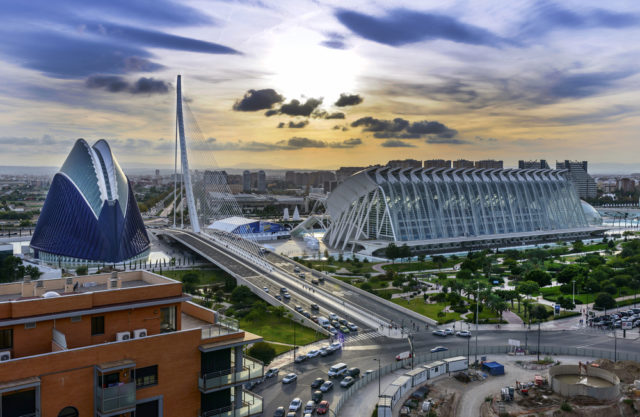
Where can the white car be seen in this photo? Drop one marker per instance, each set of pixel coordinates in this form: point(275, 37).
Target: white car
point(312, 353)
point(336, 346)
point(308, 409)
point(449, 331)
point(266, 289)
point(464, 333)
point(333, 316)
point(289, 378)
point(295, 405)
point(439, 332)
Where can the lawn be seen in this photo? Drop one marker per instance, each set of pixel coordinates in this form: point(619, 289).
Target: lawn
point(419, 266)
point(361, 268)
point(563, 313)
point(430, 310)
point(280, 349)
point(206, 276)
point(552, 294)
point(280, 329)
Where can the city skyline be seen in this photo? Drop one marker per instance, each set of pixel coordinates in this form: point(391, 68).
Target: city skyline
point(314, 85)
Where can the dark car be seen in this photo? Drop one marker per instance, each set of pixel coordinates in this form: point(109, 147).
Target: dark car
point(279, 412)
point(315, 307)
point(316, 396)
point(317, 383)
point(347, 382)
point(354, 372)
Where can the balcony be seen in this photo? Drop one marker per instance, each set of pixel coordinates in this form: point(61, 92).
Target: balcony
point(251, 406)
point(251, 369)
point(115, 387)
point(120, 397)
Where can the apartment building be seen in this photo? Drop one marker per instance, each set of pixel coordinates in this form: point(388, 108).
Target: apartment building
point(584, 184)
point(128, 344)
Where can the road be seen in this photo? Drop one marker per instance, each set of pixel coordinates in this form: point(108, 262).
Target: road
point(362, 356)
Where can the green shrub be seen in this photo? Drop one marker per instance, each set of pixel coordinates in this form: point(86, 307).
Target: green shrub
point(566, 407)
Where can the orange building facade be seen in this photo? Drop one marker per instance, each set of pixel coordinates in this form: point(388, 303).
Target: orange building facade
point(128, 344)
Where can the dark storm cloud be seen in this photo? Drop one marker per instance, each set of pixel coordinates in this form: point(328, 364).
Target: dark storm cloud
point(322, 114)
point(395, 143)
point(348, 143)
point(583, 84)
point(402, 26)
point(296, 108)
point(547, 16)
point(116, 84)
point(448, 141)
point(400, 128)
point(293, 125)
point(348, 100)
point(258, 100)
point(299, 143)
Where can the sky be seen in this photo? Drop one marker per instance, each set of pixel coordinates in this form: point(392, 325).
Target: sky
point(322, 84)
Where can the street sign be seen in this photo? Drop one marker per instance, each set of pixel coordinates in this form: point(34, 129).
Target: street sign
point(557, 309)
point(627, 325)
point(514, 342)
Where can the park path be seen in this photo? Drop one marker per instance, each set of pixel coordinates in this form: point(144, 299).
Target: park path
point(511, 317)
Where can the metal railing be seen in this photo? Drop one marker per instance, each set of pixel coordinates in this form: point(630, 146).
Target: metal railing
point(223, 326)
point(251, 406)
point(426, 357)
point(251, 369)
point(117, 397)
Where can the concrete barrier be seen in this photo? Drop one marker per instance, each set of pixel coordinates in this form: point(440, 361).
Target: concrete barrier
point(573, 390)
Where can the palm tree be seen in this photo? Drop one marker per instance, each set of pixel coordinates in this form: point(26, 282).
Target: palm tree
point(540, 313)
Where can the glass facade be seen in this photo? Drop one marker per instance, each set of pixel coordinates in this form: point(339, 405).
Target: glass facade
point(424, 204)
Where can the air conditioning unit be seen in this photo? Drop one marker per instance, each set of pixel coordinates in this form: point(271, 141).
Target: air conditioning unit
point(123, 336)
point(137, 334)
point(5, 355)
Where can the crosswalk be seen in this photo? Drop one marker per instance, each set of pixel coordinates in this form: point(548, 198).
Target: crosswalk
point(362, 336)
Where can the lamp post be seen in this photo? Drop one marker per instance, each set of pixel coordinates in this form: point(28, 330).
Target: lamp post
point(477, 312)
point(573, 294)
point(468, 343)
point(378, 360)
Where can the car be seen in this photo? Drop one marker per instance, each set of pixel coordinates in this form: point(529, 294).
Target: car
point(321, 279)
point(301, 358)
point(439, 349)
point(289, 378)
point(439, 332)
point(347, 382)
point(298, 309)
point(343, 322)
point(403, 355)
point(306, 415)
point(332, 330)
point(352, 327)
point(296, 269)
point(336, 346)
point(464, 333)
point(308, 409)
point(317, 383)
point(306, 314)
point(278, 297)
point(323, 407)
point(302, 275)
point(314, 281)
point(315, 307)
point(333, 316)
point(295, 405)
point(271, 372)
point(368, 372)
point(353, 372)
point(279, 412)
point(314, 319)
point(316, 396)
point(312, 353)
point(291, 414)
point(287, 296)
point(335, 324)
point(449, 331)
point(327, 386)
point(266, 289)
point(325, 352)
point(283, 289)
point(345, 329)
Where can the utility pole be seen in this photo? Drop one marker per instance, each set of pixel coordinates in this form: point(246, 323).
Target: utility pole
point(574, 293)
point(477, 312)
point(378, 360)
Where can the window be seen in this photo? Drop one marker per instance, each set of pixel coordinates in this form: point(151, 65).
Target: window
point(97, 325)
point(6, 339)
point(31, 325)
point(146, 376)
point(168, 319)
point(69, 412)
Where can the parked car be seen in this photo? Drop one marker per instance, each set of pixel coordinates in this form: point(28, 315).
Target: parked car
point(316, 396)
point(347, 382)
point(439, 332)
point(335, 324)
point(283, 290)
point(289, 378)
point(296, 269)
point(332, 330)
point(327, 386)
point(368, 372)
point(291, 414)
point(308, 409)
point(301, 358)
point(439, 349)
point(403, 355)
point(324, 351)
point(317, 383)
point(345, 329)
point(323, 407)
point(353, 372)
point(271, 372)
point(449, 331)
point(464, 333)
point(314, 319)
point(279, 412)
point(312, 353)
point(295, 405)
point(352, 327)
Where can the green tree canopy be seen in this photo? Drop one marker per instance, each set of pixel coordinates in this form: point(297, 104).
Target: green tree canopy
point(263, 352)
point(604, 300)
point(542, 278)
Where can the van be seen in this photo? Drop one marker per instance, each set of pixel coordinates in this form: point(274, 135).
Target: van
point(323, 321)
point(403, 356)
point(337, 370)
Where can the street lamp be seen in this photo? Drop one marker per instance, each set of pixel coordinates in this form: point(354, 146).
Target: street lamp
point(378, 360)
point(477, 312)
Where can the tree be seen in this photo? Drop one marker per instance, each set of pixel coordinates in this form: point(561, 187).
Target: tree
point(32, 271)
point(566, 303)
point(604, 300)
point(540, 313)
point(578, 246)
point(569, 273)
point(229, 283)
point(540, 277)
point(263, 352)
point(439, 260)
point(404, 251)
point(241, 295)
point(392, 251)
point(82, 270)
point(11, 269)
point(528, 288)
point(464, 274)
point(189, 282)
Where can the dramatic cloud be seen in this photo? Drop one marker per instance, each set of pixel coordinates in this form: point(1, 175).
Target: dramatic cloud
point(400, 128)
point(291, 144)
point(443, 140)
point(116, 84)
point(401, 26)
point(255, 100)
point(296, 108)
point(293, 125)
point(321, 114)
point(395, 143)
point(348, 143)
point(348, 100)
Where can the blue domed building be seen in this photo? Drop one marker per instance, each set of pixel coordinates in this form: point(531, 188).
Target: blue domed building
point(90, 214)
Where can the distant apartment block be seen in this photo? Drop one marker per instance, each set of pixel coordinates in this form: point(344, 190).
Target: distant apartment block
point(128, 344)
point(405, 163)
point(489, 164)
point(437, 163)
point(246, 182)
point(584, 184)
point(626, 185)
point(309, 179)
point(262, 182)
point(541, 164)
point(462, 163)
